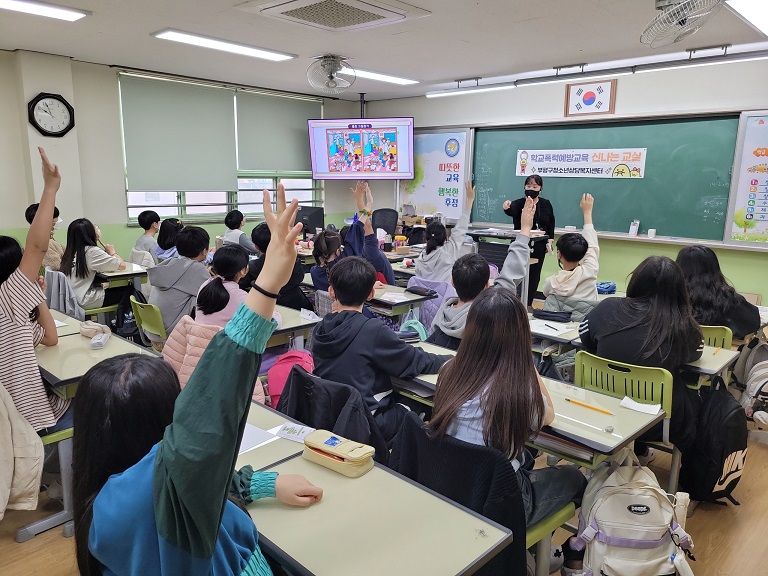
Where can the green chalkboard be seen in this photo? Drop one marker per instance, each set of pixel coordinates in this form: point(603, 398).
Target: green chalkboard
point(684, 192)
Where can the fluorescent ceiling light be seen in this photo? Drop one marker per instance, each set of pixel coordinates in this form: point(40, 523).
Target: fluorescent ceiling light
point(705, 61)
point(39, 9)
point(755, 11)
point(379, 77)
point(205, 42)
point(470, 90)
point(573, 77)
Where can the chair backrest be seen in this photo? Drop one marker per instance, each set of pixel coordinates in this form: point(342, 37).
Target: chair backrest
point(641, 383)
point(717, 336)
point(148, 318)
point(477, 477)
point(333, 406)
point(323, 303)
point(429, 308)
point(386, 219)
point(219, 242)
point(143, 258)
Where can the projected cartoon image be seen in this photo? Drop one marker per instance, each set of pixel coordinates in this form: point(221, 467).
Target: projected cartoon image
point(369, 150)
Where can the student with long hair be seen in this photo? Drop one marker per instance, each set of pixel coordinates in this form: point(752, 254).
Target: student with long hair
point(436, 261)
point(652, 326)
point(25, 320)
point(490, 394)
point(713, 299)
point(153, 467)
point(83, 258)
point(166, 238)
point(220, 297)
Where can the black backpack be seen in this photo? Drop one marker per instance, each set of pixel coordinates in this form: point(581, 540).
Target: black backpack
point(124, 325)
point(713, 466)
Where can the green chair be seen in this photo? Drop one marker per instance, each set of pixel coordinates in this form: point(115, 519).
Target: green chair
point(100, 313)
point(718, 337)
point(64, 440)
point(148, 318)
point(641, 383)
point(540, 534)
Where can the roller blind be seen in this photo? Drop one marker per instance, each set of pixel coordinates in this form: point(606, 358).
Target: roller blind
point(178, 136)
point(272, 132)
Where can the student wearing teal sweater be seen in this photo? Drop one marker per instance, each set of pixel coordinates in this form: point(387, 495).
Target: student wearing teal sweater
point(153, 467)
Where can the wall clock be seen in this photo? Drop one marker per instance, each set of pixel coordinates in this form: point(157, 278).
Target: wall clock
point(51, 114)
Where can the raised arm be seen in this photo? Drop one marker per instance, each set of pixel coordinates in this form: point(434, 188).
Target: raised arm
point(40, 230)
point(516, 263)
point(460, 230)
point(590, 262)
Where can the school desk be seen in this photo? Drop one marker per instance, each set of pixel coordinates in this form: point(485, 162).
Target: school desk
point(63, 365)
point(385, 307)
point(71, 327)
point(601, 297)
point(275, 450)
point(293, 326)
point(125, 277)
point(713, 361)
point(379, 524)
point(541, 329)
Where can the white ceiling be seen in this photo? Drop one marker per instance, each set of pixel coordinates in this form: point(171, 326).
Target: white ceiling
point(460, 39)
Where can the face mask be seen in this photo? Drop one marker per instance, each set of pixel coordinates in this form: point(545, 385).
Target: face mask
point(59, 224)
point(532, 193)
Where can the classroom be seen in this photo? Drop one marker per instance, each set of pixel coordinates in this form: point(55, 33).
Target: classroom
point(158, 121)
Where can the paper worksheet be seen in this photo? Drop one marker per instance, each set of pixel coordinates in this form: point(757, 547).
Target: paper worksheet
point(59, 323)
point(394, 297)
point(652, 409)
point(549, 328)
point(253, 437)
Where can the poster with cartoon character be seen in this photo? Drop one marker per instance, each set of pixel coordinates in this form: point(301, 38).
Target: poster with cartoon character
point(583, 163)
point(747, 220)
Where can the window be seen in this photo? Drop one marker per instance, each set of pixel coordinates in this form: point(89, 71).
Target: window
point(297, 185)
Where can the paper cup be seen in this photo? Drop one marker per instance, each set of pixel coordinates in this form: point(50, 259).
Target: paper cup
point(652, 233)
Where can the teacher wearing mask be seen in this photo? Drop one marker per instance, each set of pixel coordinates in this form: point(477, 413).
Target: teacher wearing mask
point(543, 219)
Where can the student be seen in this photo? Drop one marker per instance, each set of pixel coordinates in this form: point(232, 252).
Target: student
point(364, 352)
point(220, 296)
point(470, 276)
point(291, 295)
point(235, 221)
point(153, 467)
point(713, 299)
point(25, 320)
point(439, 255)
point(166, 238)
point(360, 240)
point(652, 326)
point(577, 256)
point(52, 258)
point(83, 259)
point(176, 281)
point(150, 221)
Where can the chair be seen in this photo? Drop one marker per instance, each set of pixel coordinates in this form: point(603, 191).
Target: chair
point(64, 440)
point(144, 259)
point(219, 242)
point(323, 303)
point(429, 308)
point(386, 219)
point(60, 295)
point(481, 479)
point(717, 336)
point(641, 383)
point(149, 319)
point(333, 406)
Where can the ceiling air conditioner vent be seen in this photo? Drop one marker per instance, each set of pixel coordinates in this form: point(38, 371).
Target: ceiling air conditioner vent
point(335, 15)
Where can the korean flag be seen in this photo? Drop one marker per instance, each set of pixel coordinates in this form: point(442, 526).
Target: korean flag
point(590, 98)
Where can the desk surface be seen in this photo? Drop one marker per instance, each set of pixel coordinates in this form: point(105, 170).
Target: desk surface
point(410, 298)
point(276, 450)
point(601, 297)
point(292, 320)
point(713, 360)
point(360, 527)
point(506, 234)
point(131, 271)
point(540, 329)
point(402, 269)
point(72, 357)
point(72, 324)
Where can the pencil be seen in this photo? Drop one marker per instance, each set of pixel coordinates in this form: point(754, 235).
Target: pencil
point(551, 327)
point(585, 405)
point(716, 351)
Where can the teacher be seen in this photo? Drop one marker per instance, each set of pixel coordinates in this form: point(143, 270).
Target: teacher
point(543, 219)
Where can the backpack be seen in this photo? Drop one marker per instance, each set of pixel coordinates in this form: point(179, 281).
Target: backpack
point(712, 467)
point(628, 525)
point(277, 375)
point(124, 324)
point(754, 399)
point(755, 351)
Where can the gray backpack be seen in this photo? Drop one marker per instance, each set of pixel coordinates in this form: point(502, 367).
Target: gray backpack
point(751, 370)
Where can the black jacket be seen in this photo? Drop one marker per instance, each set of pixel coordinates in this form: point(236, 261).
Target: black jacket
point(440, 338)
point(365, 353)
point(291, 295)
point(742, 318)
point(543, 219)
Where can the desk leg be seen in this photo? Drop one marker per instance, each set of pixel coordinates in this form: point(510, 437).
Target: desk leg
point(298, 340)
point(65, 516)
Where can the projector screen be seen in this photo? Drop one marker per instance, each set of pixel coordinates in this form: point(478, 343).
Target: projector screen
point(362, 149)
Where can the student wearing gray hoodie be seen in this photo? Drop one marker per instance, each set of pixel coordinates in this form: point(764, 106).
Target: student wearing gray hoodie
point(176, 281)
point(441, 252)
point(470, 275)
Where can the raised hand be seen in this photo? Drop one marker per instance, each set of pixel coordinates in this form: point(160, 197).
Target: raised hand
point(358, 193)
point(296, 490)
point(282, 251)
point(506, 204)
point(51, 175)
point(526, 218)
point(368, 198)
point(469, 190)
point(586, 204)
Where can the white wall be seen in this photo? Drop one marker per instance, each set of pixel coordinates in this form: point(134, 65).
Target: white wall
point(723, 87)
point(13, 181)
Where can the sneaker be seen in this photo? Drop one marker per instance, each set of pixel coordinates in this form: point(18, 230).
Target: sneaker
point(564, 571)
point(649, 457)
point(555, 559)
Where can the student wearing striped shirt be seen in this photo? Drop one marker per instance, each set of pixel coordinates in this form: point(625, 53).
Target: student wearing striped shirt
point(25, 320)
point(652, 326)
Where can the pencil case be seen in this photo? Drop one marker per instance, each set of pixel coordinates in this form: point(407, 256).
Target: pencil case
point(344, 456)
